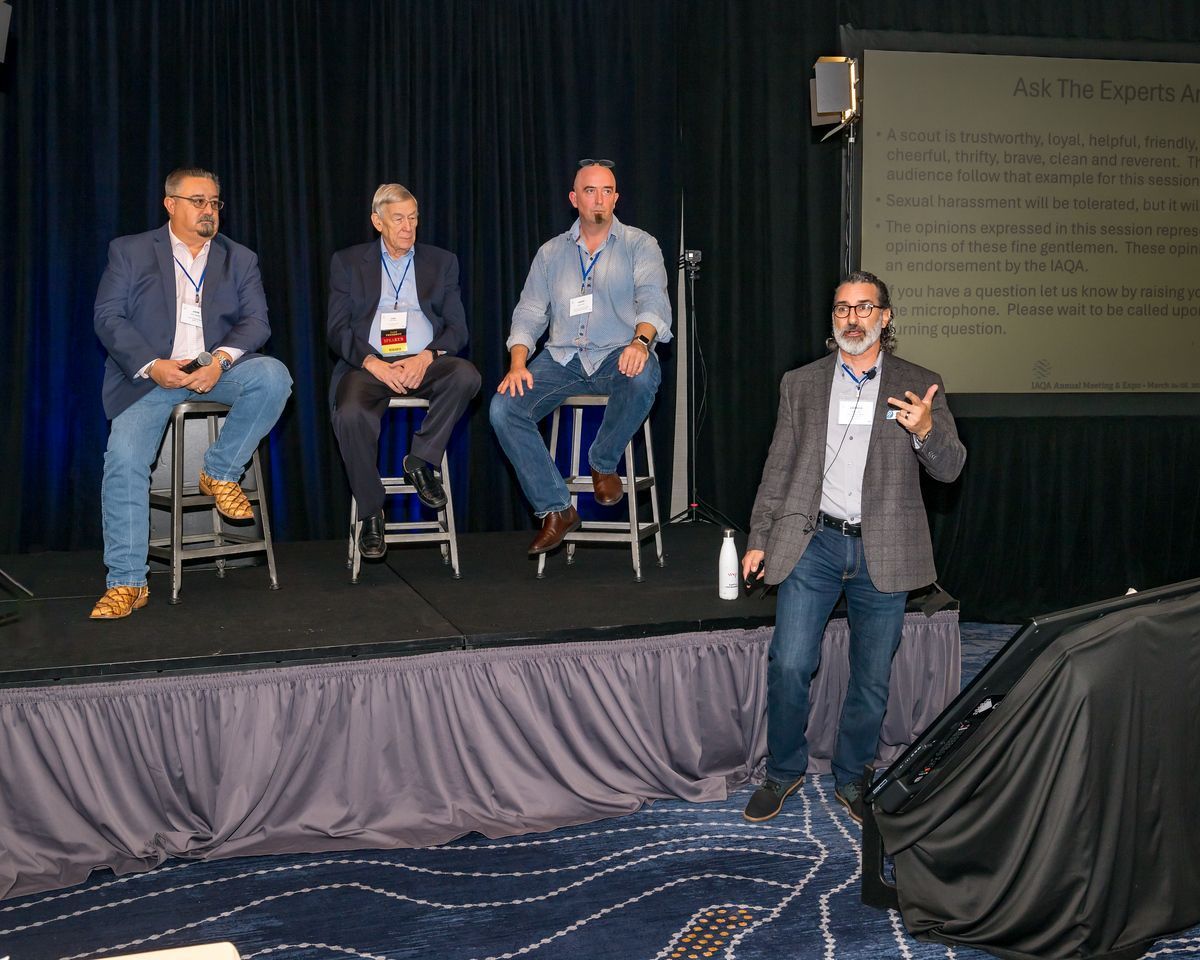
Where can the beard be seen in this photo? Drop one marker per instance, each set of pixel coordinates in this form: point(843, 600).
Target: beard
point(597, 217)
point(206, 228)
point(855, 348)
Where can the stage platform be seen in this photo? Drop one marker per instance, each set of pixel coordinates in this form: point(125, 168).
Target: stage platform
point(408, 603)
point(405, 710)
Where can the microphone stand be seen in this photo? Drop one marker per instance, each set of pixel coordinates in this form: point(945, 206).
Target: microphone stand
point(697, 511)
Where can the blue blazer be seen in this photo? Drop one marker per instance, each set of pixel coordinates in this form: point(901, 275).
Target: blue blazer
point(135, 308)
point(355, 278)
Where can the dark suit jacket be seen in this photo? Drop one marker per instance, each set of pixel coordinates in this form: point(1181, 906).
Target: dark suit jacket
point(895, 529)
point(135, 308)
point(355, 276)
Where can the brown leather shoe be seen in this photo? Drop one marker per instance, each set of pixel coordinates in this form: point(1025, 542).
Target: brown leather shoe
point(229, 500)
point(555, 526)
point(608, 487)
point(119, 602)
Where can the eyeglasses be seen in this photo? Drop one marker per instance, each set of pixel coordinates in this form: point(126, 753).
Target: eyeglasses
point(861, 310)
point(200, 202)
point(589, 162)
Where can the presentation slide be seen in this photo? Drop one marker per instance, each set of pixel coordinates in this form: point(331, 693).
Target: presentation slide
point(1037, 219)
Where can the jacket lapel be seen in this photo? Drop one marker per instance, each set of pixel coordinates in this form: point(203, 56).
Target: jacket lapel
point(816, 405)
point(370, 275)
point(166, 268)
point(214, 272)
point(423, 276)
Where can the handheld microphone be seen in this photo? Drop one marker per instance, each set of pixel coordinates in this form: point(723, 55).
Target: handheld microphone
point(203, 359)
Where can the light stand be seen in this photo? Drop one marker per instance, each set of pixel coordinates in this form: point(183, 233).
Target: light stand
point(697, 511)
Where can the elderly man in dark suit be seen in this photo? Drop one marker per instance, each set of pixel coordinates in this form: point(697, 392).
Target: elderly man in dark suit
point(838, 510)
point(167, 297)
point(396, 321)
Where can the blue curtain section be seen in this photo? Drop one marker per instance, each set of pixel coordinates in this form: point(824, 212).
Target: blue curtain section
point(303, 109)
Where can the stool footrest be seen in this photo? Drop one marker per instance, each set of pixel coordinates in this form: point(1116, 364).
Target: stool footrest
point(193, 498)
point(619, 533)
point(584, 484)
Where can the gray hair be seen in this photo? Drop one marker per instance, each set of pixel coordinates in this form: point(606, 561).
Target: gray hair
point(176, 177)
point(390, 193)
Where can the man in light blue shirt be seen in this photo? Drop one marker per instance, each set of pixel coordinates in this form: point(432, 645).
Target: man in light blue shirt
point(599, 293)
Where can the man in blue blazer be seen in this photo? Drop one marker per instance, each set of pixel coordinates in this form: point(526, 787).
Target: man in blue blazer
point(167, 297)
point(396, 321)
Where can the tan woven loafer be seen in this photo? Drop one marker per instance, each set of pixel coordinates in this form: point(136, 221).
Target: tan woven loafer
point(119, 602)
point(231, 503)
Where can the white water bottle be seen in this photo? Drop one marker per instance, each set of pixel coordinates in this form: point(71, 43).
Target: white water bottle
point(727, 568)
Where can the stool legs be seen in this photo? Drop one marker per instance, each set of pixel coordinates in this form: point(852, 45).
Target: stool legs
point(179, 496)
point(632, 531)
point(440, 530)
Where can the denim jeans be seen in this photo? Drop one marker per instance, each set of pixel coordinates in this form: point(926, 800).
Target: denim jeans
point(515, 420)
point(831, 563)
point(255, 390)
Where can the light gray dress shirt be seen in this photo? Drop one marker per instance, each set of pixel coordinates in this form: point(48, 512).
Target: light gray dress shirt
point(846, 444)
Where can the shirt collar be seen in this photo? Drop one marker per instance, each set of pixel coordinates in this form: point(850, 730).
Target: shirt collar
point(384, 250)
point(176, 244)
point(617, 230)
point(878, 364)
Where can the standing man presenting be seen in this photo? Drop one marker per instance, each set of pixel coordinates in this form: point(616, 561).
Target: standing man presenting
point(601, 290)
point(165, 298)
point(839, 509)
point(396, 321)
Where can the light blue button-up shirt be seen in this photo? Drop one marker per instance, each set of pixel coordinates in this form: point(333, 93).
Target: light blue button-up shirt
point(419, 329)
point(628, 284)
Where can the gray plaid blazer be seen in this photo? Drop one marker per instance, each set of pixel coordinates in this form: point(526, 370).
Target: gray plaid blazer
point(894, 526)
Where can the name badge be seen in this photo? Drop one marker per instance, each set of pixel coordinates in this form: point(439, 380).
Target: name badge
point(393, 333)
point(861, 412)
point(191, 315)
point(581, 305)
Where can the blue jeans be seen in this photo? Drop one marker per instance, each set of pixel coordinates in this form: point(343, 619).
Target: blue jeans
point(255, 390)
point(515, 420)
point(831, 563)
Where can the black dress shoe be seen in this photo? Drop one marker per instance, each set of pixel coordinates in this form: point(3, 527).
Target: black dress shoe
point(428, 486)
point(371, 538)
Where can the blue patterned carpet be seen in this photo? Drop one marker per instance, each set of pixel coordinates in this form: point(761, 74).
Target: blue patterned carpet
point(675, 880)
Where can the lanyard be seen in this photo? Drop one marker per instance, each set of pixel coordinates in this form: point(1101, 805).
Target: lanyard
point(395, 286)
point(196, 284)
point(584, 274)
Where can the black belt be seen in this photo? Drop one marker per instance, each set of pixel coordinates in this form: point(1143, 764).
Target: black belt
point(844, 527)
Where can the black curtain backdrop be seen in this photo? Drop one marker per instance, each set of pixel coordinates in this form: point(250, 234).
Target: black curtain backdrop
point(482, 108)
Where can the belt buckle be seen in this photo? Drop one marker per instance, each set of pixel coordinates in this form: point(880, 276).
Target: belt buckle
point(846, 525)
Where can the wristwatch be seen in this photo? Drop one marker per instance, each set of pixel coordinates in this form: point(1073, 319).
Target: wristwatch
point(643, 340)
point(223, 359)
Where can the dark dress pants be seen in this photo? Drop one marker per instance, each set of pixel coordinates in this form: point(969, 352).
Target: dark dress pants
point(449, 385)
